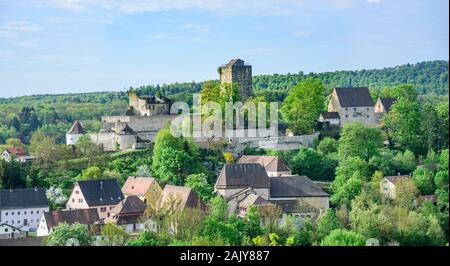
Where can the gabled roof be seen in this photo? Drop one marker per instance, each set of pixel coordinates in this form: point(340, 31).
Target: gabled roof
point(252, 200)
point(236, 61)
point(101, 192)
point(393, 179)
point(330, 115)
point(294, 206)
point(243, 175)
point(82, 216)
point(187, 196)
point(17, 151)
point(23, 198)
point(270, 163)
point(137, 185)
point(131, 205)
point(77, 128)
point(387, 103)
point(125, 129)
point(295, 186)
point(354, 97)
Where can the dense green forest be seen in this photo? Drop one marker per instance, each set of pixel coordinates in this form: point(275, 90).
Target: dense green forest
point(53, 114)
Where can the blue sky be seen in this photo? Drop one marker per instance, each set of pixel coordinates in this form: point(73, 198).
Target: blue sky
point(59, 46)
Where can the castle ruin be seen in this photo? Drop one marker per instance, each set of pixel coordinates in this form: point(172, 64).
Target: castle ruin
point(237, 72)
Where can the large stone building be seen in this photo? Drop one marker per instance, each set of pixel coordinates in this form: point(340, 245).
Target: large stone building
point(136, 128)
point(247, 184)
point(236, 71)
point(353, 105)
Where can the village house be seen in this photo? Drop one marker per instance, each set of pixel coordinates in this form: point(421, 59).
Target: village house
point(181, 197)
point(273, 165)
point(383, 105)
point(128, 214)
point(22, 208)
point(389, 183)
point(353, 105)
point(103, 195)
point(330, 118)
point(10, 232)
point(246, 184)
point(50, 220)
point(17, 154)
point(141, 187)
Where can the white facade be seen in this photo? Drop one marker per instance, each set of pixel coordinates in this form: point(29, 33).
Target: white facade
point(26, 219)
point(7, 231)
point(72, 139)
point(6, 156)
point(43, 230)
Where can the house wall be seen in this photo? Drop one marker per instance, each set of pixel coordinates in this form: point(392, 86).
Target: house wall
point(388, 189)
point(42, 229)
point(17, 217)
point(281, 173)
point(365, 115)
point(126, 142)
point(379, 107)
point(226, 193)
point(7, 232)
point(71, 139)
point(6, 156)
point(77, 201)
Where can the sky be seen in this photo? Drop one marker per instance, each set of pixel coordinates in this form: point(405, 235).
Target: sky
point(66, 46)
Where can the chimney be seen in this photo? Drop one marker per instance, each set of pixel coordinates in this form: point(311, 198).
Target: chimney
point(101, 185)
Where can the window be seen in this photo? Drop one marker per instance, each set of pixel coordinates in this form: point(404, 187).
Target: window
point(6, 213)
point(18, 213)
point(346, 115)
point(25, 212)
point(77, 192)
point(103, 209)
point(346, 108)
point(354, 108)
point(80, 200)
point(37, 212)
point(12, 213)
point(73, 200)
point(367, 109)
point(31, 212)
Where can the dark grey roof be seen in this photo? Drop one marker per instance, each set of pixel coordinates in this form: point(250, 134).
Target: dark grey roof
point(23, 198)
point(387, 103)
point(82, 216)
point(294, 186)
point(294, 206)
point(237, 61)
point(354, 97)
point(330, 115)
point(125, 129)
point(77, 128)
point(150, 99)
point(243, 175)
point(101, 192)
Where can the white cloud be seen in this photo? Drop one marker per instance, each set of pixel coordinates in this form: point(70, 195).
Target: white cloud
point(260, 50)
point(373, 1)
point(18, 32)
point(195, 27)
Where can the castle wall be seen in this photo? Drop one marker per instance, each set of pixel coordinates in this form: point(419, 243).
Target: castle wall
point(141, 123)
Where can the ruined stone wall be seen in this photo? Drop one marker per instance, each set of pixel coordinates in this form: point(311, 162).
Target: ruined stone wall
point(242, 75)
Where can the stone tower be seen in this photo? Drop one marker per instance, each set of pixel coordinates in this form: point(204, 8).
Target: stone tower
point(75, 133)
point(236, 71)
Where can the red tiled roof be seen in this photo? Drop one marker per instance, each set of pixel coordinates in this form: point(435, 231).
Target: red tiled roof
point(17, 151)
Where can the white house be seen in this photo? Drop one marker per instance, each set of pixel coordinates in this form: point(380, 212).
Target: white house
point(17, 154)
point(50, 220)
point(389, 183)
point(9, 232)
point(23, 208)
point(103, 195)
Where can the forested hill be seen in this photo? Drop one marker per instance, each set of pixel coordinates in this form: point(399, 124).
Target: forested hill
point(429, 76)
